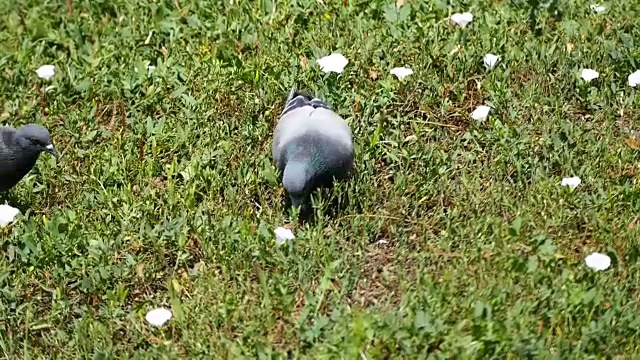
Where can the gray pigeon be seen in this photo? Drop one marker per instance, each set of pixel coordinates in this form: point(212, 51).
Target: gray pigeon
point(19, 151)
point(312, 146)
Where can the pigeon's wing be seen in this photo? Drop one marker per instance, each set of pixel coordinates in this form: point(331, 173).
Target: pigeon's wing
point(291, 125)
point(6, 139)
point(8, 176)
point(337, 149)
point(331, 125)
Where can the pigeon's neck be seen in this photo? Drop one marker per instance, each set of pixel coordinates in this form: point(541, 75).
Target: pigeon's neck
point(295, 177)
point(303, 163)
point(307, 153)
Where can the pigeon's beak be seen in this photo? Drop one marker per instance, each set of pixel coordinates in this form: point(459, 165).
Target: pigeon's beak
point(51, 149)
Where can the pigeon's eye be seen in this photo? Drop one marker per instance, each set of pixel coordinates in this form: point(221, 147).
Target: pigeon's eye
point(34, 141)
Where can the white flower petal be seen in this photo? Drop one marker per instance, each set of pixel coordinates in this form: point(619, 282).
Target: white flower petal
point(157, 317)
point(589, 74)
point(46, 72)
point(7, 214)
point(283, 235)
point(461, 19)
point(150, 69)
point(333, 63)
point(598, 261)
point(490, 61)
point(597, 8)
point(481, 113)
point(571, 182)
point(401, 72)
point(634, 78)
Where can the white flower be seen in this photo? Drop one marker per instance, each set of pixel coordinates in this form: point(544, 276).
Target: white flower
point(46, 71)
point(150, 69)
point(490, 61)
point(157, 317)
point(598, 261)
point(333, 63)
point(283, 235)
point(597, 8)
point(634, 79)
point(401, 72)
point(480, 113)
point(7, 214)
point(571, 182)
point(461, 19)
point(589, 74)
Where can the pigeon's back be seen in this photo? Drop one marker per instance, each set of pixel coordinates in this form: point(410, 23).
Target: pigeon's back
point(13, 167)
point(305, 117)
point(7, 151)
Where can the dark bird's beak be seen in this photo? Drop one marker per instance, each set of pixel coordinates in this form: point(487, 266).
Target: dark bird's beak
point(52, 150)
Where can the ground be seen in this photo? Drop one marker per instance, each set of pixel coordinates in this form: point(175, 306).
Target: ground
point(454, 237)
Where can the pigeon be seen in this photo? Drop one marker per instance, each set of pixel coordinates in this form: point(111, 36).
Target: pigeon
point(19, 151)
point(312, 146)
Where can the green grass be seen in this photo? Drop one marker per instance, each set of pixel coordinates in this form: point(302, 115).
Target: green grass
point(166, 195)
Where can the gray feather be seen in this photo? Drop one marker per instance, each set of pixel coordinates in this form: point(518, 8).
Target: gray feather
point(19, 151)
point(297, 100)
point(312, 145)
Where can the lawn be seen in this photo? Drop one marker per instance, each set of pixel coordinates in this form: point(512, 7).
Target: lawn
point(453, 239)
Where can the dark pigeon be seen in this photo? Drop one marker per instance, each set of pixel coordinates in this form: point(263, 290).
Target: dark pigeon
point(19, 151)
point(312, 146)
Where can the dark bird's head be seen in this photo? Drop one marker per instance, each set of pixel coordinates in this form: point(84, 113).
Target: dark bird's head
point(35, 138)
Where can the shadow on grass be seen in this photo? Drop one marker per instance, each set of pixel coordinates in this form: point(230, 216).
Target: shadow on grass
point(325, 203)
point(10, 199)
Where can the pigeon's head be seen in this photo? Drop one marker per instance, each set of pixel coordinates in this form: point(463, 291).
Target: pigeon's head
point(296, 181)
point(35, 138)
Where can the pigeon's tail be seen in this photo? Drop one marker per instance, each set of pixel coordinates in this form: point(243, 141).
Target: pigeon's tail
point(292, 93)
point(296, 100)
